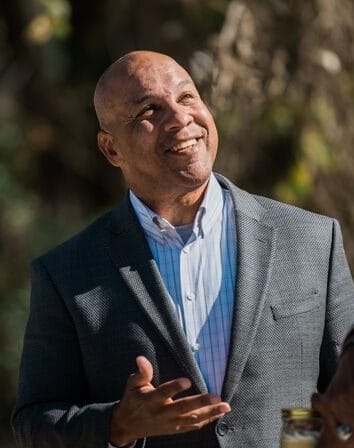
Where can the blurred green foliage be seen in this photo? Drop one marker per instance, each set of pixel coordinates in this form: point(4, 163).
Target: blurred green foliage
point(277, 74)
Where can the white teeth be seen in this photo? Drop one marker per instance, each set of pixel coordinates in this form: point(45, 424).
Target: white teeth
point(184, 144)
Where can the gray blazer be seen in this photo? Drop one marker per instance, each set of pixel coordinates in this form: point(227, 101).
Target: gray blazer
point(98, 301)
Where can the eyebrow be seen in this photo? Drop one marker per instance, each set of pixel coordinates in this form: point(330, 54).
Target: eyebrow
point(142, 99)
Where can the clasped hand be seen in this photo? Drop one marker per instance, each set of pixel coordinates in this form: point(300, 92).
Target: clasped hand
point(148, 411)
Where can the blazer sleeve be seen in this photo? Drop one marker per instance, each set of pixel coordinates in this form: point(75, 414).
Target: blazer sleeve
point(53, 408)
point(340, 308)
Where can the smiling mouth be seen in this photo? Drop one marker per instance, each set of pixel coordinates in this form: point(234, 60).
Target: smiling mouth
point(183, 146)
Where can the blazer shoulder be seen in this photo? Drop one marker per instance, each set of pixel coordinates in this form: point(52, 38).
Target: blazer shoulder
point(287, 214)
point(83, 243)
point(274, 212)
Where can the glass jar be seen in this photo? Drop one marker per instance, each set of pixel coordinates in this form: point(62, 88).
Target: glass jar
point(301, 428)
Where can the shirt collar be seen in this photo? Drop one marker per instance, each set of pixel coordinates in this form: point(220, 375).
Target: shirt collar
point(164, 232)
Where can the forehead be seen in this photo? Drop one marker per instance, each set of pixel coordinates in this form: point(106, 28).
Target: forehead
point(158, 80)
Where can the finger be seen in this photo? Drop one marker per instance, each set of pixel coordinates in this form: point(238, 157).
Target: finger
point(143, 376)
point(187, 404)
point(208, 413)
point(194, 425)
point(171, 388)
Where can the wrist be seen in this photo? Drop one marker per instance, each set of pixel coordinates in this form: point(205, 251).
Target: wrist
point(119, 434)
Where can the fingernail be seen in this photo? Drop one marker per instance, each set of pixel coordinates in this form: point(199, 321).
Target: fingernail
point(224, 408)
point(185, 383)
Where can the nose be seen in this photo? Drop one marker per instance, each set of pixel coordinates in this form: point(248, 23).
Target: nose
point(177, 117)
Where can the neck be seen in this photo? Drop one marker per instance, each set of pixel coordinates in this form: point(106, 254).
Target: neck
point(177, 209)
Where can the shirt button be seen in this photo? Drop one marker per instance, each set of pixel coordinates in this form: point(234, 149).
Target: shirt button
point(186, 249)
point(195, 347)
point(190, 296)
point(222, 429)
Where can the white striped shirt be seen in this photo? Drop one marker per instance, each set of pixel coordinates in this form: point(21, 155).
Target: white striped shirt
point(199, 275)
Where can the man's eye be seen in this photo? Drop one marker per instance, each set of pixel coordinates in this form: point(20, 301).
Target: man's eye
point(147, 111)
point(187, 97)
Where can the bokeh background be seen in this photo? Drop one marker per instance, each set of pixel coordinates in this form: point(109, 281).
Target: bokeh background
point(278, 75)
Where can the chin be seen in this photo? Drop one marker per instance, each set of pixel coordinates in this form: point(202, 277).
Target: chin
point(195, 177)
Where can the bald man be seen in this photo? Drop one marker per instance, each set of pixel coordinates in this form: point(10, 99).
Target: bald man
point(192, 312)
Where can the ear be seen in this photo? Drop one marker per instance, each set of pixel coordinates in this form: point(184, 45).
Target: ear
point(106, 146)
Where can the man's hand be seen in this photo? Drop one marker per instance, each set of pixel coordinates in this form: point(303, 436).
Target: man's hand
point(336, 405)
point(148, 411)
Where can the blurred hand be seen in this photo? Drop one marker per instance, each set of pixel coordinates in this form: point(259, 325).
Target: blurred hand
point(336, 405)
point(148, 411)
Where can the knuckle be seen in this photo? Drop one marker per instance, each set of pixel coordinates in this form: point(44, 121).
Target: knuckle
point(164, 392)
point(168, 390)
point(192, 419)
point(199, 425)
point(215, 417)
point(182, 407)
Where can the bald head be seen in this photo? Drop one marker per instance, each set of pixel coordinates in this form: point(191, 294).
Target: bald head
point(112, 84)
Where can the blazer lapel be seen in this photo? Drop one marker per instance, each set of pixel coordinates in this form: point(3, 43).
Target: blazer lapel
point(131, 255)
point(255, 249)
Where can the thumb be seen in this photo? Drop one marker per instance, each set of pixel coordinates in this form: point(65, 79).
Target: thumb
point(143, 376)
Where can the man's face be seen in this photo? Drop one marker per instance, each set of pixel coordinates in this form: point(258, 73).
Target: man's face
point(163, 134)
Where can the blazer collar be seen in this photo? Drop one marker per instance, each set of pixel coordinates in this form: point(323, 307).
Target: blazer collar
point(244, 202)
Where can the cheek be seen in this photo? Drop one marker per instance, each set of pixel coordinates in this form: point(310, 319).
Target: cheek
point(144, 137)
point(207, 118)
point(214, 138)
point(144, 129)
point(212, 131)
